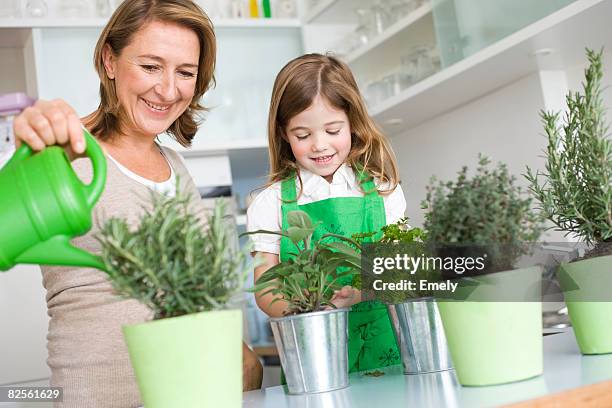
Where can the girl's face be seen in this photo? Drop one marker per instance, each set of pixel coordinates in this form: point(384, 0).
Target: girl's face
point(155, 75)
point(320, 138)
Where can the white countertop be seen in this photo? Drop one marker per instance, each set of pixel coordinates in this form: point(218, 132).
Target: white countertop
point(564, 368)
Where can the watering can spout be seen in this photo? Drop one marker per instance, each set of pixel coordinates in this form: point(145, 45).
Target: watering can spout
point(59, 251)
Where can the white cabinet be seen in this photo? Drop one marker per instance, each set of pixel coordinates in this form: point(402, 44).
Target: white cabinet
point(482, 47)
point(500, 63)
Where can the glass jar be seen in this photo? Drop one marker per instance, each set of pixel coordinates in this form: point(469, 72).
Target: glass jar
point(420, 62)
point(380, 18)
point(36, 8)
point(364, 27)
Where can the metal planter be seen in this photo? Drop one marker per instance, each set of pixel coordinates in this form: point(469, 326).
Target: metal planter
point(313, 350)
point(420, 336)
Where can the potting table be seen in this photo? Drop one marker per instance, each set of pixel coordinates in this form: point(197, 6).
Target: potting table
point(564, 369)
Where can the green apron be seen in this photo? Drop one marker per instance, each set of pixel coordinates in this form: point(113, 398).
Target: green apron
point(371, 342)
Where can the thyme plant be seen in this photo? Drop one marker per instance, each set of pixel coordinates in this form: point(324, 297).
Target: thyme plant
point(173, 262)
point(575, 190)
point(488, 211)
point(399, 238)
point(308, 280)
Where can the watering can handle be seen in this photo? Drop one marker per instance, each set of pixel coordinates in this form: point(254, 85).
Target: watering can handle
point(98, 161)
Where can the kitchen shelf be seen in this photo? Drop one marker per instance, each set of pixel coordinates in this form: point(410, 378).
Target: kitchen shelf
point(317, 10)
point(399, 26)
point(335, 11)
point(216, 148)
point(50, 22)
point(552, 43)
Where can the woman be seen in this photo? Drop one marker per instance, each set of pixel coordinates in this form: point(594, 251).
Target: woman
point(155, 60)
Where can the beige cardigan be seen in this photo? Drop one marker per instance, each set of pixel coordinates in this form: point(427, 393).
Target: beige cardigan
point(87, 353)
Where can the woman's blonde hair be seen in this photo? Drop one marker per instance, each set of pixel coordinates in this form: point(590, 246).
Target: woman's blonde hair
point(295, 87)
point(131, 16)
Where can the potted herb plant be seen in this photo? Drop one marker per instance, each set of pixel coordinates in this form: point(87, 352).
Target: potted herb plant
point(185, 271)
point(575, 193)
point(492, 336)
point(412, 310)
point(312, 336)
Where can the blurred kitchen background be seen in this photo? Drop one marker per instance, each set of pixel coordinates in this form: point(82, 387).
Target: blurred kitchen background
point(445, 79)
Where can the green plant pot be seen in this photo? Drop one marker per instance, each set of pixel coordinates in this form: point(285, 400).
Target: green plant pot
point(495, 342)
point(188, 361)
point(586, 287)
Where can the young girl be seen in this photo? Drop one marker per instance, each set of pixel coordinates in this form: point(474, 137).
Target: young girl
point(327, 158)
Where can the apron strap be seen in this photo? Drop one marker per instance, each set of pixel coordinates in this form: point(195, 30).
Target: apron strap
point(288, 198)
point(374, 205)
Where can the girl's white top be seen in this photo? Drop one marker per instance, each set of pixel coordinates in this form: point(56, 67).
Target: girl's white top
point(265, 211)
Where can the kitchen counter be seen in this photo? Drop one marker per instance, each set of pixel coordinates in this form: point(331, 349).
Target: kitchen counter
point(564, 369)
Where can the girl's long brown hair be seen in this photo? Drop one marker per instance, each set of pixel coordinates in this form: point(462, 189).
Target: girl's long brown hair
point(131, 16)
point(295, 87)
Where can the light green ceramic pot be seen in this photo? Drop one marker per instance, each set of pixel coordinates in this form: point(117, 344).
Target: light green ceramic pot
point(495, 342)
point(188, 361)
point(587, 287)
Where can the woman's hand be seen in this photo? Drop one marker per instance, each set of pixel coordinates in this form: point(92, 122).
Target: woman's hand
point(346, 297)
point(252, 371)
point(48, 123)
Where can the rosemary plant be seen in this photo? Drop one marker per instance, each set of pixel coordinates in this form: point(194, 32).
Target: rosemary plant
point(308, 280)
point(576, 190)
point(173, 262)
point(486, 212)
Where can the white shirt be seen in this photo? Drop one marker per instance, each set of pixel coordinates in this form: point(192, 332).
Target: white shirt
point(167, 187)
point(265, 211)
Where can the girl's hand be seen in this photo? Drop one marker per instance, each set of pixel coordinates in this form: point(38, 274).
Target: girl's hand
point(50, 123)
point(346, 297)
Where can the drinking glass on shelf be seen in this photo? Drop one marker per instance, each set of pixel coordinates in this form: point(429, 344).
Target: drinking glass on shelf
point(401, 8)
point(73, 8)
point(286, 9)
point(380, 19)
point(408, 68)
point(36, 8)
point(364, 27)
point(428, 62)
point(380, 90)
point(420, 62)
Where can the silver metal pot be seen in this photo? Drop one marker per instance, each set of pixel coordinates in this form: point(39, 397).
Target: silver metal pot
point(313, 350)
point(420, 336)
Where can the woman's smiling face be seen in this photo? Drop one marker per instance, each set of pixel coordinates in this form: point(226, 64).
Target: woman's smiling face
point(320, 138)
point(155, 76)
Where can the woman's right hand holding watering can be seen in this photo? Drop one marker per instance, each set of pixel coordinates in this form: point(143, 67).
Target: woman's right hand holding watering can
point(48, 123)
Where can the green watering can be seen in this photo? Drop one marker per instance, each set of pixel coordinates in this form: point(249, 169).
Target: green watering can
point(43, 204)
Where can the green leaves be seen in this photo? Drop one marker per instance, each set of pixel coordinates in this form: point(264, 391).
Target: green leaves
point(575, 190)
point(299, 219)
point(402, 232)
point(173, 262)
point(308, 280)
point(487, 208)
